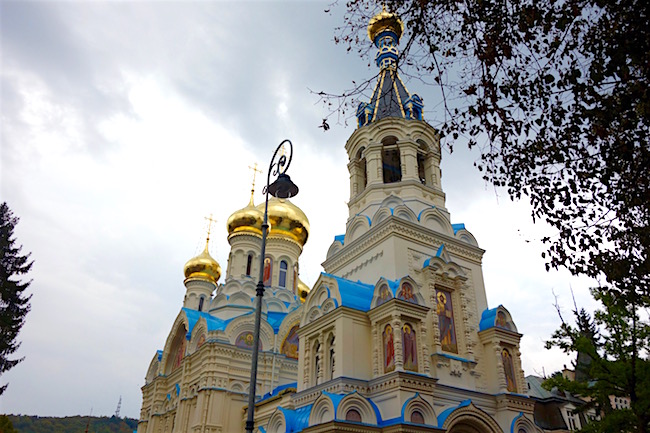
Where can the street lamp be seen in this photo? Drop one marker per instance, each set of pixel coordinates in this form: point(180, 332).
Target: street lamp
point(282, 187)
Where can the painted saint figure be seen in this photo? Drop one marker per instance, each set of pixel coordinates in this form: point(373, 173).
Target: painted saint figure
point(509, 370)
point(268, 271)
point(501, 321)
point(290, 344)
point(389, 349)
point(384, 295)
point(445, 313)
point(180, 352)
point(407, 293)
point(410, 348)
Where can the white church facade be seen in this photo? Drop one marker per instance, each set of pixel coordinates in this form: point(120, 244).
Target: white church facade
point(394, 336)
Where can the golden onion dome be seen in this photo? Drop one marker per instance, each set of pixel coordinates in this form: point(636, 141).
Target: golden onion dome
point(248, 220)
point(287, 220)
point(385, 20)
point(203, 267)
point(303, 290)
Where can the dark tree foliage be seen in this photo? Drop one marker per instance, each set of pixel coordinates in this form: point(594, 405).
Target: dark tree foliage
point(608, 365)
point(95, 424)
point(14, 304)
point(6, 426)
point(555, 95)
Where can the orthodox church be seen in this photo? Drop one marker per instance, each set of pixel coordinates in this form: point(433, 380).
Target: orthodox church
point(394, 336)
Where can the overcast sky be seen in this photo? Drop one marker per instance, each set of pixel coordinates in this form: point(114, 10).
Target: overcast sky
point(124, 124)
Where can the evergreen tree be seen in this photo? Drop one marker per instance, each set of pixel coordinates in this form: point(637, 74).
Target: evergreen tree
point(14, 303)
point(6, 426)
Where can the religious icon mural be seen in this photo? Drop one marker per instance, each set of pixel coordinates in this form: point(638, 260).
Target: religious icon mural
point(384, 295)
point(200, 342)
point(502, 321)
point(406, 293)
point(268, 271)
point(445, 312)
point(509, 370)
point(245, 340)
point(389, 349)
point(180, 353)
point(409, 348)
point(290, 344)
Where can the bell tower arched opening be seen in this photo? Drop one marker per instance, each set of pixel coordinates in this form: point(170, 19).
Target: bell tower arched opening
point(391, 161)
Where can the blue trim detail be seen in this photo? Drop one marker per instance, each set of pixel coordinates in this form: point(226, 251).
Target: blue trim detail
point(355, 295)
point(488, 318)
point(213, 323)
point(279, 389)
point(441, 249)
point(335, 399)
point(385, 33)
point(458, 227)
point(445, 414)
point(275, 318)
point(514, 421)
point(367, 217)
point(457, 358)
point(178, 389)
point(340, 238)
point(425, 209)
point(160, 354)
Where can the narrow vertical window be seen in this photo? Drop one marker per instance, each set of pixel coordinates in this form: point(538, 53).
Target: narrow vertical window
point(201, 300)
point(332, 358)
point(391, 162)
point(317, 362)
point(249, 264)
point(283, 274)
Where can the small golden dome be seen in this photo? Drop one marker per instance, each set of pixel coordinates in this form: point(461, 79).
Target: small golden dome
point(385, 20)
point(248, 219)
point(303, 290)
point(203, 267)
point(287, 220)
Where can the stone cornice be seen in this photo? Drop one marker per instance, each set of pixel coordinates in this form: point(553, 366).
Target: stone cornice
point(398, 307)
point(329, 318)
point(406, 229)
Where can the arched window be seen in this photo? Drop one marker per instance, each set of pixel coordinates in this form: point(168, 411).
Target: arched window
point(353, 415)
point(422, 151)
point(391, 162)
point(331, 356)
point(317, 363)
point(283, 274)
point(361, 157)
point(416, 417)
point(201, 300)
point(249, 264)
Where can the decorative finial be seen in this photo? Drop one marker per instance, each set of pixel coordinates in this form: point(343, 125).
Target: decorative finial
point(255, 171)
point(385, 30)
point(210, 221)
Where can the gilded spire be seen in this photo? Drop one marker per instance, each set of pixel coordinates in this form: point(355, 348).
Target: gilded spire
point(390, 97)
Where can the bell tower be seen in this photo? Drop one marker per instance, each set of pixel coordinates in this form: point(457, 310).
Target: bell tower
point(393, 151)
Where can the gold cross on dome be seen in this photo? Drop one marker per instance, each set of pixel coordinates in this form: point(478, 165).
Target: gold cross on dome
point(255, 171)
point(210, 221)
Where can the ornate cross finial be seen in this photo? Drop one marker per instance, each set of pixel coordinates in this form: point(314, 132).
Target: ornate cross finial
point(210, 221)
point(255, 171)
